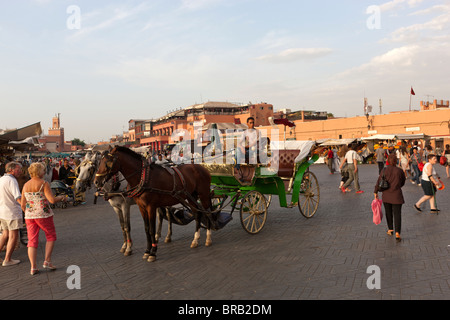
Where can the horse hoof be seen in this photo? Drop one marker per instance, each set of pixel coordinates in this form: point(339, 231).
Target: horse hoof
point(168, 240)
point(151, 259)
point(128, 253)
point(194, 245)
point(145, 256)
point(208, 244)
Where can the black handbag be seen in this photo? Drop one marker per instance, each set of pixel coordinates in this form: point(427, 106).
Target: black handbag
point(384, 184)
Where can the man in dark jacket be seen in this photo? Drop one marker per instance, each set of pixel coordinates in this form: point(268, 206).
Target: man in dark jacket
point(65, 172)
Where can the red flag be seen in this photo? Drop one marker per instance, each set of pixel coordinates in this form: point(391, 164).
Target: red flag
point(412, 92)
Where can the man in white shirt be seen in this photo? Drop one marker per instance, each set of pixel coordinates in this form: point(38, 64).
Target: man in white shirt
point(10, 211)
point(248, 144)
point(161, 160)
point(351, 157)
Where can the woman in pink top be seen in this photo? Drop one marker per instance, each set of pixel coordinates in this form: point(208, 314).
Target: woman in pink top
point(36, 195)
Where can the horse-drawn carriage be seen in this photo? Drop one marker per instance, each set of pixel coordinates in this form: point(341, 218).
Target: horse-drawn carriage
point(252, 186)
point(206, 191)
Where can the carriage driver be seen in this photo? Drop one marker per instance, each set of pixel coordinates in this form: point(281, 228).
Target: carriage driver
point(248, 144)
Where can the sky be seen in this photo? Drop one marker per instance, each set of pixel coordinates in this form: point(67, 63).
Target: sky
point(101, 63)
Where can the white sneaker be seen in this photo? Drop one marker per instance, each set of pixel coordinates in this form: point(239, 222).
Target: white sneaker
point(11, 262)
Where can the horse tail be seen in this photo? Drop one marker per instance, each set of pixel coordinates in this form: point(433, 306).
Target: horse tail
point(203, 188)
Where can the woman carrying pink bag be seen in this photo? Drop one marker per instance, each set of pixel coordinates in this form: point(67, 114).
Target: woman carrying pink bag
point(393, 196)
point(377, 212)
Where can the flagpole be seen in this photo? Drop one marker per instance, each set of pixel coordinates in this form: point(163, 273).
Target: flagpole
point(411, 93)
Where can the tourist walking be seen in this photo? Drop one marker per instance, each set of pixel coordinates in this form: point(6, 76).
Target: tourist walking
point(446, 154)
point(343, 169)
point(404, 159)
point(36, 195)
point(11, 218)
point(380, 154)
point(351, 158)
point(330, 160)
point(429, 184)
point(393, 197)
point(416, 158)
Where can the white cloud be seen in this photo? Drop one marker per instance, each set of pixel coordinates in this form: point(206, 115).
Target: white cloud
point(421, 31)
point(295, 54)
point(42, 2)
point(394, 4)
point(198, 4)
point(118, 14)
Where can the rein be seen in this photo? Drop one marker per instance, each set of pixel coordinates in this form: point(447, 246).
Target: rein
point(137, 191)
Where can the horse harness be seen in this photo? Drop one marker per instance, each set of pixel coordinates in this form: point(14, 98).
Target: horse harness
point(180, 194)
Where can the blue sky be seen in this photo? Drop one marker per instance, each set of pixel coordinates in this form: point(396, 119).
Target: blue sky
point(141, 59)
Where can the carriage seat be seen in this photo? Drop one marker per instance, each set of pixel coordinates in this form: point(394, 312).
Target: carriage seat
point(286, 162)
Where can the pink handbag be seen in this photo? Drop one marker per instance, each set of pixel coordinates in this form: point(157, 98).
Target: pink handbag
point(377, 212)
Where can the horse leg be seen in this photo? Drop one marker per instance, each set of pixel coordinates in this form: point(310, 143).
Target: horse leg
point(152, 224)
point(147, 232)
point(160, 213)
point(208, 242)
point(118, 210)
point(194, 243)
point(169, 228)
point(127, 228)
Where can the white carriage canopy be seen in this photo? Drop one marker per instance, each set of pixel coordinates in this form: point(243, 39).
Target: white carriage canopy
point(304, 147)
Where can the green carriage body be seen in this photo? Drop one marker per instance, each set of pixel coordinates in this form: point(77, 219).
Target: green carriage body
point(225, 183)
point(264, 183)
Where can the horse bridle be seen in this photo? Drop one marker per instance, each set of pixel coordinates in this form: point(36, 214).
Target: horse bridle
point(92, 170)
point(110, 164)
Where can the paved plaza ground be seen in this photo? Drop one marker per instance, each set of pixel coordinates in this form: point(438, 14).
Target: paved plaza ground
point(323, 258)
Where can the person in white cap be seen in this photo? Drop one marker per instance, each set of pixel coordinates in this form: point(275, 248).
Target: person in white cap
point(11, 218)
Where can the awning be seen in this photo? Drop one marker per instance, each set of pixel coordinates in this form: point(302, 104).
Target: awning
point(34, 141)
point(337, 142)
point(395, 137)
point(21, 134)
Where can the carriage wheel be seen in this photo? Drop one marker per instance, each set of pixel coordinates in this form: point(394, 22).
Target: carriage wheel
point(253, 212)
point(308, 201)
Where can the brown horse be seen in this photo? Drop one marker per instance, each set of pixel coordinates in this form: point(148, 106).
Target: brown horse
point(153, 186)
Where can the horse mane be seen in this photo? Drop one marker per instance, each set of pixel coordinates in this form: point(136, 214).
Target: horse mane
point(130, 153)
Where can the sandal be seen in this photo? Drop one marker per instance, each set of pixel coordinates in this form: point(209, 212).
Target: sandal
point(417, 208)
point(397, 236)
point(34, 271)
point(390, 232)
point(435, 210)
point(49, 266)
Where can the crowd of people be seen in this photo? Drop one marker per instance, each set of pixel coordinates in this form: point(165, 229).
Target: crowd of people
point(32, 201)
point(396, 166)
point(29, 199)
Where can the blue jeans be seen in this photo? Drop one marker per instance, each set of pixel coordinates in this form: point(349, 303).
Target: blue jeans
point(417, 173)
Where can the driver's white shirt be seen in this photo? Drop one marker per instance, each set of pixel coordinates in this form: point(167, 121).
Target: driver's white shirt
point(252, 135)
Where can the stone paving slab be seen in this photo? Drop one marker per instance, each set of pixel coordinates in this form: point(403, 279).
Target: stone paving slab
point(323, 258)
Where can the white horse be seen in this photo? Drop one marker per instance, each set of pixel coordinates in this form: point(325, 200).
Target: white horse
point(121, 204)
